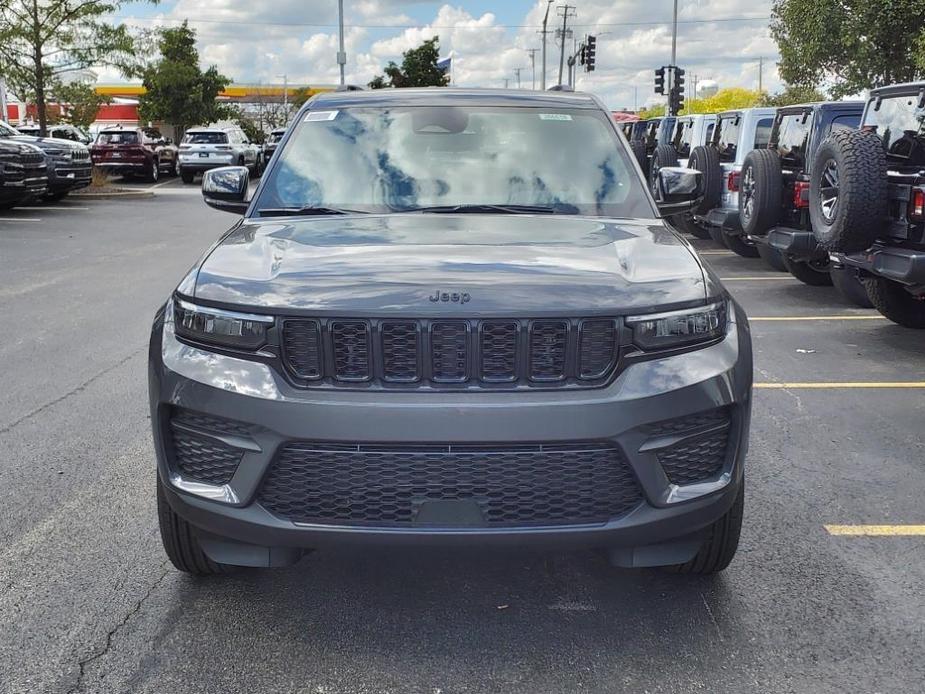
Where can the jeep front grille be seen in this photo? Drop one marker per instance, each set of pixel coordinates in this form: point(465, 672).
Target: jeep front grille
point(477, 486)
point(450, 353)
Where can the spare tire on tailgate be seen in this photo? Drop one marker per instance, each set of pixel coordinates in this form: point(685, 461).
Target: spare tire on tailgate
point(848, 190)
point(760, 192)
point(706, 160)
point(664, 155)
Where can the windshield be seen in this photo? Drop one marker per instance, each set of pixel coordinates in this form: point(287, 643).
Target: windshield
point(122, 137)
point(205, 138)
point(900, 122)
point(394, 159)
point(7, 130)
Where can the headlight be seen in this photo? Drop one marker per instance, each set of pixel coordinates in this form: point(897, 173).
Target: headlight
point(679, 328)
point(228, 328)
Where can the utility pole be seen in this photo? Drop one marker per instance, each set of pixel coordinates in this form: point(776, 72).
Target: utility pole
point(760, 72)
point(506, 82)
point(341, 53)
point(544, 32)
point(635, 99)
point(517, 75)
point(566, 11)
point(694, 95)
point(532, 52)
point(285, 92)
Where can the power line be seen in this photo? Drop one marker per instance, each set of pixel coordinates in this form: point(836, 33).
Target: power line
point(234, 22)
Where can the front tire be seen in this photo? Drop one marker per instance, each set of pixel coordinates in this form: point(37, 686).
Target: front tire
point(894, 302)
point(180, 542)
point(721, 542)
point(155, 173)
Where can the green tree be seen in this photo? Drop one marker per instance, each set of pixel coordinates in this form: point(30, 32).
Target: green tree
point(40, 41)
point(418, 68)
point(792, 94)
point(723, 100)
point(177, 91)
point(852, 44)
point(82, 101)
point(656, 111)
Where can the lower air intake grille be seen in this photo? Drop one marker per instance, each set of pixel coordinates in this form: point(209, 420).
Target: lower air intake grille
point(203, 459)
point(701, 453)
point(370, 485)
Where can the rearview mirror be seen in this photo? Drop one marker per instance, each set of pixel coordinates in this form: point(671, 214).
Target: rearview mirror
point(678, 189)
point(225, 188)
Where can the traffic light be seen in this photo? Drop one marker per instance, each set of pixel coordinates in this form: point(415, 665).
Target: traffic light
point(676, 98)
point(590, 53)
point(660, 80)
point(678, 81)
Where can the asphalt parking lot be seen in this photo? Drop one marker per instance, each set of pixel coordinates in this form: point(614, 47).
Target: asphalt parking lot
point(89, 603)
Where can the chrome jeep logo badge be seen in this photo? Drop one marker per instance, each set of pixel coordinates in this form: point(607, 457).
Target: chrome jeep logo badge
point(450, 297)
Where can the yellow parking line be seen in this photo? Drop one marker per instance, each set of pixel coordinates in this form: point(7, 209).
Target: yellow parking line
point(780, 276)
point(876, 530)
point(844, 384)
point(801, 318)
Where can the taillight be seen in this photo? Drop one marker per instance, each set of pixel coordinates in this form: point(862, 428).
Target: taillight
point(917, 204)
point(801, 194)
point(732, 182)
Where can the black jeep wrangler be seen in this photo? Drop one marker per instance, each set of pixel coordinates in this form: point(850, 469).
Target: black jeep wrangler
point(23, 173)
point(867, 200)
point(774, 197)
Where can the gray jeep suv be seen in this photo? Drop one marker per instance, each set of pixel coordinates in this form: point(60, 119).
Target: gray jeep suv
point(451, 317)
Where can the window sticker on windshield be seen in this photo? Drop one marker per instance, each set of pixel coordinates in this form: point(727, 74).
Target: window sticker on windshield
point(320, 115)
point(555, 116)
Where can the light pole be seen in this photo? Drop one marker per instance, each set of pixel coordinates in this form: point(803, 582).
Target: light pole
point(285, 92)
point(517, 75)
point(341, 54)
point(544, 32)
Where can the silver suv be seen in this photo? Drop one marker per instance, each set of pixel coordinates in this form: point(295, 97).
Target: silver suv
point(207, 148)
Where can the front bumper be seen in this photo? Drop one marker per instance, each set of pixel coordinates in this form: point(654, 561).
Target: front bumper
point(644, 393)
point(68, 177)
point(197, 164)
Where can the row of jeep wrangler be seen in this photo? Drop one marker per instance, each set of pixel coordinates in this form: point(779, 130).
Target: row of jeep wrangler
point(832, 192)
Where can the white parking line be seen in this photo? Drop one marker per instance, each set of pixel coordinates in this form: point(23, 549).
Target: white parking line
point(62, 207)
point(19, 219)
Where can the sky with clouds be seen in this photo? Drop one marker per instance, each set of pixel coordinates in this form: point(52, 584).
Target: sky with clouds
point(257, 42)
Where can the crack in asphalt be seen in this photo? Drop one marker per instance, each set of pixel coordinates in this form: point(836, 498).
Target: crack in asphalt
point(73, 391)
point(84, 662)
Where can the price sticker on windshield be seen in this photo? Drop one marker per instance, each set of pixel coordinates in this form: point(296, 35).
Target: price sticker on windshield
point(555, 116)
point(320, 115)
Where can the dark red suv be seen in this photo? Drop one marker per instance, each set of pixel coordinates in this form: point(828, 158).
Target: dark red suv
point(135, 152)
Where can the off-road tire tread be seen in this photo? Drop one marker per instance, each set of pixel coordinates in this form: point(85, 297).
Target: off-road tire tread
point(768, 191)
point(850, 287)
point(862, 192)
point(705, 159)
point(894, 302)
point(180, 543)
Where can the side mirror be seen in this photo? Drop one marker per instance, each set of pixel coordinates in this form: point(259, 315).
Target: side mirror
point(225, 188)
point(678, 189)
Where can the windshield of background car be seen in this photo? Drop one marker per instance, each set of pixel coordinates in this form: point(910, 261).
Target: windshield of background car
point(118, 138)
point(900, 122)
point(394, 159)
point(205, 138)
point(275, 137)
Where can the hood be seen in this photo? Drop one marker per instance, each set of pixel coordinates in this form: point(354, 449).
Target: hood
point(50, 144)
point(435, 264)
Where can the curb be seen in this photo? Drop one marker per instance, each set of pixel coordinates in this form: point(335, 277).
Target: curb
point(113, 194)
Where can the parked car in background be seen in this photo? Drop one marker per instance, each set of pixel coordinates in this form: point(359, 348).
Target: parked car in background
point(23, 173)
point(686, 133)
point(273, 140)
point(471, 345)
point(68, 162)
point(208, 148)
point(131, 152)
point(774, 194)
point(61, 131)
point(867, 200)
point(736, 134)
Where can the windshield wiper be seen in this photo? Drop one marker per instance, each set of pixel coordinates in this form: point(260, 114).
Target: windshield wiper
point(495, 209)
point(306, 211)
